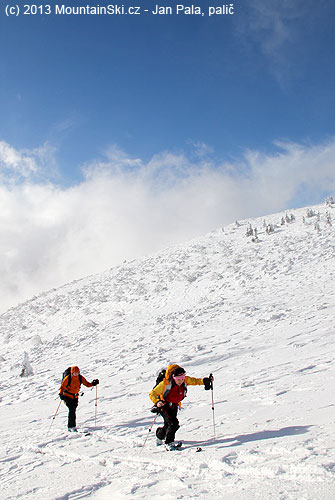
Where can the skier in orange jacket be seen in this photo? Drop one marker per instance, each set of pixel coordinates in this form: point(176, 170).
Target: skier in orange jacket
point(69, 393)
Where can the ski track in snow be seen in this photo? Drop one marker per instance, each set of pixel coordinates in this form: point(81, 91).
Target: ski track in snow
point(258, 315)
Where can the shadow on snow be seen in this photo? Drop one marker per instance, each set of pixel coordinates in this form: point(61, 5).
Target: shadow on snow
point(247, 438)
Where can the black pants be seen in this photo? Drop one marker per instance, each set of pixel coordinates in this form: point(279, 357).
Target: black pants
point(171, 423)
point(72, 406)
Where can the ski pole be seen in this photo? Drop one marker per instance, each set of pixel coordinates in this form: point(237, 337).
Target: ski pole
point(211, 379)
point(96, 405)
point(53, 418)
point(149, 431)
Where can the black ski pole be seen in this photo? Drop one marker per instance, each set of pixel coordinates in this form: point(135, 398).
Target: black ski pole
point(96, 405)
point(211, 382)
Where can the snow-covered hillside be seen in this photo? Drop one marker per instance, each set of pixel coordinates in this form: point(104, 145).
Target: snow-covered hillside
point(256, 311)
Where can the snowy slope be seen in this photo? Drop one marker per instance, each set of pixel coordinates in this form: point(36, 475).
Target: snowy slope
point(259, 315)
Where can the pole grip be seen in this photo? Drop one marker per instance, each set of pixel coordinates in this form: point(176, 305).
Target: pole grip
point(211, 381)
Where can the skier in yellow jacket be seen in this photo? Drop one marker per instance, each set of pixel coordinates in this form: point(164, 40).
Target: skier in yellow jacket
point(167, 397)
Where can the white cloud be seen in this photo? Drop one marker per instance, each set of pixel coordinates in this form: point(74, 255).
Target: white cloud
point(15, 161)
point(276, 27)
point(17, 165)
point(125, 208)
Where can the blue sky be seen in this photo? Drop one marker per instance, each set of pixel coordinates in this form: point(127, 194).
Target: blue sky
point(191, 122)
point(151, 83)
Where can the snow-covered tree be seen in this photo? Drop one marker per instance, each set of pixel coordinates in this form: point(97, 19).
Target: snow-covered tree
point(330, 201)
point(26, 370)
point(255, 237)
point(317, 226)
point(250, 231)
point(328, 219)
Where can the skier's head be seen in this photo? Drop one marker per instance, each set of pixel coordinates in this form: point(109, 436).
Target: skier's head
point(75, 371)
point(179, 375)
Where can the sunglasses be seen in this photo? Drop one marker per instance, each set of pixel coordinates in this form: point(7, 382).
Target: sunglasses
point(179, 377)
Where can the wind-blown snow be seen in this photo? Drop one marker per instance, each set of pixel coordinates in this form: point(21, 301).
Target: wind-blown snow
point(258, 314)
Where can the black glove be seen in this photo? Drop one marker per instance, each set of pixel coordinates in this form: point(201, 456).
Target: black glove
point(61, 397)
point(156, 409)
point(208, 382)
point(95, 381)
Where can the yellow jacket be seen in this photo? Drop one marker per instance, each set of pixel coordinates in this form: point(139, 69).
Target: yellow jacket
point(161, 390)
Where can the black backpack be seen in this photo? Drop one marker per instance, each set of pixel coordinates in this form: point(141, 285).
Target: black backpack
point(160, 377)
point(67, 373)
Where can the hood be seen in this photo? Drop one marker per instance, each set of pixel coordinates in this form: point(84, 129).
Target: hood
point(74, 369)
point(169, 370)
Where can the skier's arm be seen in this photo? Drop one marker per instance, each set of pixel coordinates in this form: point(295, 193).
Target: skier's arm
point(157, 393)
point(84, 381)
point(194, 381)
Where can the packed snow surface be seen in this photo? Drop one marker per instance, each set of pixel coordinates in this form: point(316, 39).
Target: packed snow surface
point(257, 311)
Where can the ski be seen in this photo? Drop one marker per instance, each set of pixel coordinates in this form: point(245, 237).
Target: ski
point(80, 433)
point(179, 447)
point(174, 446)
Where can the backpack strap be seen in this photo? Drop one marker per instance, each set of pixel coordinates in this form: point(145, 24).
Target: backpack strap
point(167, 389)
point(71, 393)
point(69, 380)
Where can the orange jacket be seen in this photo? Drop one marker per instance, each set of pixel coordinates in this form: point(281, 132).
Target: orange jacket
point(72, 390)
